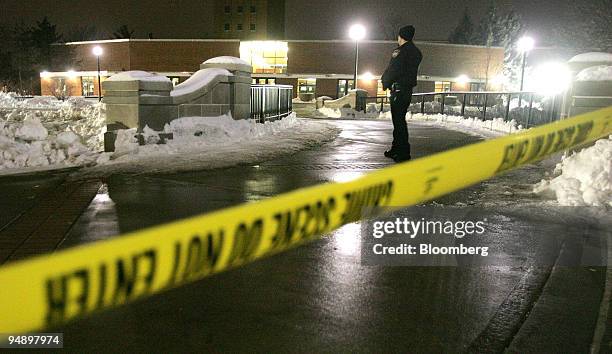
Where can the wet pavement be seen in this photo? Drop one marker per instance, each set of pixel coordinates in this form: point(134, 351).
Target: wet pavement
point(319, 298)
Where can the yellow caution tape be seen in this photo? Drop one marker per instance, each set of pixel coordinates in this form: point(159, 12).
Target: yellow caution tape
point(48, 291)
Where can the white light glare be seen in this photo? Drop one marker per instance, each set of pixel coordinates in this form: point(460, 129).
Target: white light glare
point(462, 79)
point(367, 76)
point(525, 44)
point(551, 79)
point(97, 51)
point(357, 32)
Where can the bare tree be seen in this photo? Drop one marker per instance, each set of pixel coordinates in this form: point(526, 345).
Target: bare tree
point(123, 32)
point(60, 90)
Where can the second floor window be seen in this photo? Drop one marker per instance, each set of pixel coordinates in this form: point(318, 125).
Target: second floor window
point(240, 9)
point(253, 9)
point(226, 27)
point(228, 10)
point(239, 27)
point(252, 27)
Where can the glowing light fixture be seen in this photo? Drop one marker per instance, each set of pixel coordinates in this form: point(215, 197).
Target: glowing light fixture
point(367, 76)
point(462, 79)
point(97, 51)
point(525, 44)
point(357, 32)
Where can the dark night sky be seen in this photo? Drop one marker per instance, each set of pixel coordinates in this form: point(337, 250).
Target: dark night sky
point(312, 19)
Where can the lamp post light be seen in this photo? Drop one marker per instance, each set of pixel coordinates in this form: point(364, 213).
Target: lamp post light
point(524, 46)
point(357, 32)
point(97, 51)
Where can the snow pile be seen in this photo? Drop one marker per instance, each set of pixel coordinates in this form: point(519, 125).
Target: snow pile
point(595, 73)
point(198, 80)
point(28, 144)
point(210, 142)
point(585, 178)
point(349, 113)
point(83, 117)
point(137, 75)
point(487, 128)
point(592, 57)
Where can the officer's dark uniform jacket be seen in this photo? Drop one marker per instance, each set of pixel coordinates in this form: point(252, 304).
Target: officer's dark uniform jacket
point(403, 67)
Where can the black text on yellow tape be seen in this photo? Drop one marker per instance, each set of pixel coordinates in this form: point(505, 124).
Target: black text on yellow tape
point(50, 290)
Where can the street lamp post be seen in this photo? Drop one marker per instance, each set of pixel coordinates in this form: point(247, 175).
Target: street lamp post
point(524, 45)
point(97, 51)
point(357, 32)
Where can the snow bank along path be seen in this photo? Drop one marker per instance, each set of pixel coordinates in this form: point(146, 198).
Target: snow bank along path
point(208, 143)
point(584, 178)
point(71, 133)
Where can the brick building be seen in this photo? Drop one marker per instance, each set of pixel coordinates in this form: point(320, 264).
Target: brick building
point(320, 67)
point(250, 19)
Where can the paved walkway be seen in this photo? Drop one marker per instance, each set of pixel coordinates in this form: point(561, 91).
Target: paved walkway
point(319, 297)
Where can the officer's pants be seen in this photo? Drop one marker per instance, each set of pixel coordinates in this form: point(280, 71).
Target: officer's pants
point(400, 101)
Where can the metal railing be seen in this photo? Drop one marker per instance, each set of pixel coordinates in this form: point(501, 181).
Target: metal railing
point(528, 109)
point(271, 102)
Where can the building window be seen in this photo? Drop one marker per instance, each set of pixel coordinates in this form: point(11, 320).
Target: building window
point(240, 9)
point(239, 27)
point(344, 86)
point(264, 81)
point(307, 85)
point(226, 27)
point(88, 83)
point(442, 86)
point(252, 27)
point(253, 10)
point(266, 57)
point(228, 10)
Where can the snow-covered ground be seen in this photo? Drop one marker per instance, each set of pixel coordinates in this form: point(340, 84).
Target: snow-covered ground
point(44, 133)
point(489, 128)
point(213, 142)
point(584, 178)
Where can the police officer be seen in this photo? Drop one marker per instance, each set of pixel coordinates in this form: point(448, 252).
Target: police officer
point(400, 77)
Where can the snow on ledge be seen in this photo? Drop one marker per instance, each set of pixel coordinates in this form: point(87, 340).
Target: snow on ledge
point(198, 80)
point(138, 75)
point(595, 73)
point(226, 60)
point(592, 57)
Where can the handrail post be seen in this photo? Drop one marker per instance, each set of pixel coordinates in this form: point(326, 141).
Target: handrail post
point(423, 104)
point(484, 109)
point(508, 106)
point(278, 111)
point(463, 106)
point(529, 113)
point(442, 103)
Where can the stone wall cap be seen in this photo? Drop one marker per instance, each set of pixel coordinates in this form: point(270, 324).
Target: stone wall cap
point(227, 62)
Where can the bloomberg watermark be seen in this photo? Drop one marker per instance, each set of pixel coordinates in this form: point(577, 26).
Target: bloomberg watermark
point(434, 236)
